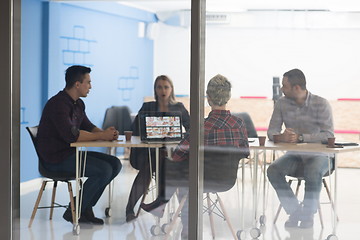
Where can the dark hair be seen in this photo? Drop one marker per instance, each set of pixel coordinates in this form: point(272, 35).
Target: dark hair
point(165, 78)
point(75, 74)
point(296, 77)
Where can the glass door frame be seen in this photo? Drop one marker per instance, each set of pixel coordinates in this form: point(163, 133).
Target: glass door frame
point(197, 75)
point(10, 17)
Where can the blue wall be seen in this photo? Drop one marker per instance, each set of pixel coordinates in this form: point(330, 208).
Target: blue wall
point(32, 82)
point(103, 36)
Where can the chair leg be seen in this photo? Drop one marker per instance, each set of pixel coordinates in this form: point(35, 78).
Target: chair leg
point(226, 216)
point(250, 166)
point(297, 188)
point(320, 216)
point(330, 198)
point(277, 214)
point(72, 204)
point(110, 187)
point(211, 218)
point(280, 207)
point(53, 199)
point(176, 216)
point(42, 189)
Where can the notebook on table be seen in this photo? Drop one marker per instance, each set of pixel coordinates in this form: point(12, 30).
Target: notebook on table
point(344, 144)
point(160, 127)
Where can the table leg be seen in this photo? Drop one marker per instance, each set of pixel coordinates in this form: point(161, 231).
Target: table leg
point(243, 193)
point(335, 195)
point(151, 176)
point(76, 227)
point(255, 232)
point(256, 163)
point(262, 218)
point(157, 171)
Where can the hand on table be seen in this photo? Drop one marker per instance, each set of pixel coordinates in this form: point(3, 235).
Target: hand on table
point(110, 134)
point(289, 136)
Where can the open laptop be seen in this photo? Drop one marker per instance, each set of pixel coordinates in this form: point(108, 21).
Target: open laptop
point(160, 127)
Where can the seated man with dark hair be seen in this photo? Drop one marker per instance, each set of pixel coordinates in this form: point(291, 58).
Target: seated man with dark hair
point(63, 122)
point(307, 118)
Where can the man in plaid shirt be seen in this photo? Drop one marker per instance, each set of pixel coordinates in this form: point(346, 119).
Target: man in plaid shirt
point(220, 129)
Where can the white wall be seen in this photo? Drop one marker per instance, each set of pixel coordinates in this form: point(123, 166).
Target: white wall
point(256, 46)
point(172, 55)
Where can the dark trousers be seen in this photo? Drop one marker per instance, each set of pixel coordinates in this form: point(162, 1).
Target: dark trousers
point(100, 170)
point(142, 180)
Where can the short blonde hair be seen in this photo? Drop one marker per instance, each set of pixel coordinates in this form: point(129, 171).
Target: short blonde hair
point(219, 90)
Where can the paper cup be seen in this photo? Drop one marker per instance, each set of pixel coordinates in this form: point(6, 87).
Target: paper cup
point(262, 140)
point(128, 135)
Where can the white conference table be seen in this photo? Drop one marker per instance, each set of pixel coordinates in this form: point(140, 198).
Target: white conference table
point(298, 147)
point(134, 143)
point(254, 145)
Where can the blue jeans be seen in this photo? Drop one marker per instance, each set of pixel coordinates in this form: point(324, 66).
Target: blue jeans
point(311, 166)
point(100, 170)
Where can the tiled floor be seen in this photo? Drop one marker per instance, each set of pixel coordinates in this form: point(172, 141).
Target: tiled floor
point(117, 228)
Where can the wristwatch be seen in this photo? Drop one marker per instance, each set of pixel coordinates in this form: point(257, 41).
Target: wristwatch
point(300, 138)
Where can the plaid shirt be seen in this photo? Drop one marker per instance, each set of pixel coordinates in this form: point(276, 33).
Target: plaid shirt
point(220, 129)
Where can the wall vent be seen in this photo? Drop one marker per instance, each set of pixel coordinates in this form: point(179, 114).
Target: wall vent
point(217, 18)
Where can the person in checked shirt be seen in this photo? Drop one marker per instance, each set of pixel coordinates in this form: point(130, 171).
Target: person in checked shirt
point(220, 129)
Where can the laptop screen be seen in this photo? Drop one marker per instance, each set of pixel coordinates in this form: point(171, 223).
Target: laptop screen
point(160, 126)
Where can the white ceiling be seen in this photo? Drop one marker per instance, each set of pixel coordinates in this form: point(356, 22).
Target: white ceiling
point(244, 5)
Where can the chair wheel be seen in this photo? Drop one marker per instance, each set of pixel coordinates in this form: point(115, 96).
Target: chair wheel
point(165, 228)
point(332, 237)
point(108, 212)
point(241, 235)
point(155, 230)
point(262, 220)
point(255, 232)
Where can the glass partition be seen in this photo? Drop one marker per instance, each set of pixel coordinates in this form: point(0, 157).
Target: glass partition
point(139, 54)
point(216, 66)
point(255, 45)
